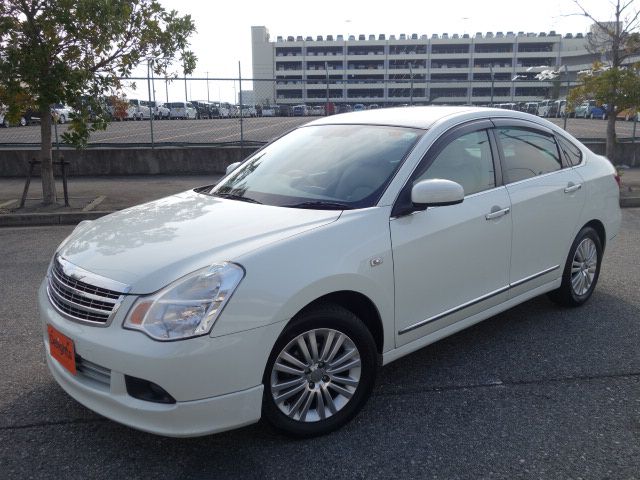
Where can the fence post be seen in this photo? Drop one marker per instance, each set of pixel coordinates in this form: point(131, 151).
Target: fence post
point(151, 105)
point(240, 100)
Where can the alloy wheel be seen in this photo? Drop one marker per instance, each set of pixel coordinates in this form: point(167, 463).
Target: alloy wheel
point(583, 267)
point(315, 375)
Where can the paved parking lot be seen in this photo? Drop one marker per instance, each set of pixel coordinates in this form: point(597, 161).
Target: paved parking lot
point(254, 129)
point(536, 392)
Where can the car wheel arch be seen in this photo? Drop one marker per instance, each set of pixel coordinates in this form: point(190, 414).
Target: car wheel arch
point(357, 303)
point(598, 226)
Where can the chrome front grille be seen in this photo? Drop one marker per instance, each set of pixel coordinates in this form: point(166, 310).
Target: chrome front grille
point(82, 295)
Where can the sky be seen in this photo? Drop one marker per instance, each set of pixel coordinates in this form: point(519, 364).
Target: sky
point(223, 36)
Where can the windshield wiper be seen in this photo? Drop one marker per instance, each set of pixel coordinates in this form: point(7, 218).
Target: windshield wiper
point(320, 205)
point(233, 196)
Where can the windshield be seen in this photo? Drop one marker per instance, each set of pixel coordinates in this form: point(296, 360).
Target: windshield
point(323, 166)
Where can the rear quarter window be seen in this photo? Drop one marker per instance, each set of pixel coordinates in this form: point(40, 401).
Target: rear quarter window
point(572, 153)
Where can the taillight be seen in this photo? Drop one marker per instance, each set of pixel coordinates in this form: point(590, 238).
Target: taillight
point(618, 180)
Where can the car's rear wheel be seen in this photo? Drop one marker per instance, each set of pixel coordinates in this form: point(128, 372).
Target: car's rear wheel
point(581, 270)
point(320, 373)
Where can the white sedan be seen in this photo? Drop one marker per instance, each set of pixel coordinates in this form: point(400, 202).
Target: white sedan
point(342, 246)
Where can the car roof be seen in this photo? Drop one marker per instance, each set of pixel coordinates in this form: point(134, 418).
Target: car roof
point(422, 117)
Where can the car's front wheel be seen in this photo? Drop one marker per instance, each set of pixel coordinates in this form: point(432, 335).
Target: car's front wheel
point(581, 270)
point(320, 373)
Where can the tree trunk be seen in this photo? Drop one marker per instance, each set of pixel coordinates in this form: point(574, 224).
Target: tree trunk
point(48, 181)
point(611, 135)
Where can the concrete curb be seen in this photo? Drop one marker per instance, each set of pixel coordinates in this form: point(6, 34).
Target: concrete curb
point(39, 219)
point(630, 202)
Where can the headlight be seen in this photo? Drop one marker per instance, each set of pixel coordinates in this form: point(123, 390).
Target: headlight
point(188, 307)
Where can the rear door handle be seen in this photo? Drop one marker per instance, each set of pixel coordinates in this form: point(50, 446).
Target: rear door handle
point(497, 213)
point(572, 188)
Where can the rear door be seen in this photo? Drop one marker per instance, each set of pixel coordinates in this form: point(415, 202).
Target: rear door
point(546, 201)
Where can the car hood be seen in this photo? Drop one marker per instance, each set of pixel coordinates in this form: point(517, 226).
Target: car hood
point(153, 244)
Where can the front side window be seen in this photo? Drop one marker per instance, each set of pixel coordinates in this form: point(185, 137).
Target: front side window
point(527, 153)
point(322, 166)
point(468, 161)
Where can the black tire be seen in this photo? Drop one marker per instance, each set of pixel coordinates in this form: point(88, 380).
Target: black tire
point(566, 294)
point(332, 317)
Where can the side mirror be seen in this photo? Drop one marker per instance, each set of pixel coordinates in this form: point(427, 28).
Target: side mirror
point(436, 192)
point(232, 167)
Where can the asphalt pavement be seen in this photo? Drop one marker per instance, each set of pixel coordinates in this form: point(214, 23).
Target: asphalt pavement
point(537, 392)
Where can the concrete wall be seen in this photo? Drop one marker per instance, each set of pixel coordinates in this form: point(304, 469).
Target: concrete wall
point(185, 161)
point(131, 161)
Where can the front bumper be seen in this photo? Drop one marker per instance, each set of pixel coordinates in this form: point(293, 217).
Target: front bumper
point(217, 382)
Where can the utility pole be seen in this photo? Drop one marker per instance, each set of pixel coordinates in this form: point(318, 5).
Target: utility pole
point(207, 87)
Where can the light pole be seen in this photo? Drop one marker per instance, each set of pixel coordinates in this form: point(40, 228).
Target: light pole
point(207, 87)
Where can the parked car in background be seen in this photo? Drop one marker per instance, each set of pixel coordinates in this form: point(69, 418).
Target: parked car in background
point(204, 109)
point(341, 247)
point(61, 112)
point(628, 115)
point(247, 111)
point(358, 107)
point(183, 110)
point(4, 121)
point(599, 112)
point(531, 107)
point(557, 109)
point(300, 111)
point(284, 110)
point(544, 107)
point(584, 109)
point(160, 110)
point(138, 110)
point(117, 107)
point(316, 111)
point(224, 109)
point(269, 111)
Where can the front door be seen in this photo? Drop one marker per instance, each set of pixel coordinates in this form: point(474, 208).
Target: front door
point(451, 262)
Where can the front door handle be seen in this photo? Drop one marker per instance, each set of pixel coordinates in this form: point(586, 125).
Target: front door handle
point(572, 188)
point(497, 213)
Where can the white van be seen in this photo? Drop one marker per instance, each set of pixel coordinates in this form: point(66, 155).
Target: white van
point(543, 108)
point(138, 110)
point(184, 110)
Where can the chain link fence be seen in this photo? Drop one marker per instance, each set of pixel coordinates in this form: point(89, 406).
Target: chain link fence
point(157, 112)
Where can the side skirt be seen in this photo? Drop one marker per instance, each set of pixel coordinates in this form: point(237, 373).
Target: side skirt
point(411, 347)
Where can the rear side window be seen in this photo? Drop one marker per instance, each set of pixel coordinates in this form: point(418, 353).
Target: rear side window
point(572, 154)
point(527, 153)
